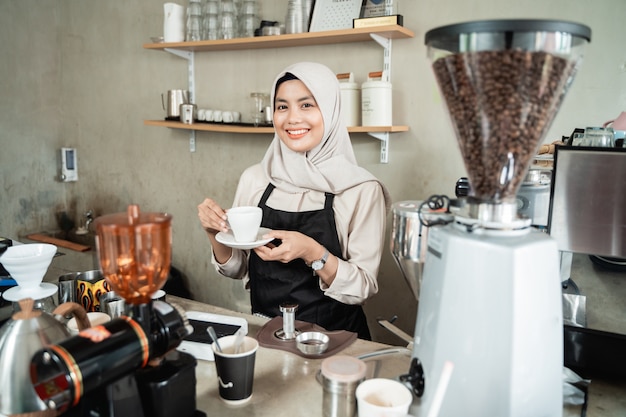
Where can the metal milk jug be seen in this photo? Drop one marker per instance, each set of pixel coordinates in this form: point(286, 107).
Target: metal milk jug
point(174, 100)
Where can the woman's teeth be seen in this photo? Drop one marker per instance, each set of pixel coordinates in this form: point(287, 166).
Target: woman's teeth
point(297, 132)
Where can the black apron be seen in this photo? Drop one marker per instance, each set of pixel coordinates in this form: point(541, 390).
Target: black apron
point(273, 283)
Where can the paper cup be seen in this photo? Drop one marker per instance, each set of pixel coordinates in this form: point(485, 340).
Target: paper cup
point(235, 372)
point(380, 397)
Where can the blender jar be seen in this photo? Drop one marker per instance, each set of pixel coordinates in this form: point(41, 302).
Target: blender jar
point(135, 252)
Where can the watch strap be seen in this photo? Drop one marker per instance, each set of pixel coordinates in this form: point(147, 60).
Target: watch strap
point(319, 263)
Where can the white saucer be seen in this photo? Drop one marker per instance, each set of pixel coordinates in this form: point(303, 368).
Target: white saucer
point(228, 239)
point(43, 290)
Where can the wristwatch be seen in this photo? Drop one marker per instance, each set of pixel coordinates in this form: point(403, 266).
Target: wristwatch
point(318, 264)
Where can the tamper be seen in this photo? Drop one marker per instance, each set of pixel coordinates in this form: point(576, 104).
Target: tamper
point(288, 332)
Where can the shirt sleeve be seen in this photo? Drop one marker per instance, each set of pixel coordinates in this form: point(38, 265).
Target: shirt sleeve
point(360, 215)
point(249, 190)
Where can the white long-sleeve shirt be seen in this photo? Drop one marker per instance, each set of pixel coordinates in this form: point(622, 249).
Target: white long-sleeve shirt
point(360, 220)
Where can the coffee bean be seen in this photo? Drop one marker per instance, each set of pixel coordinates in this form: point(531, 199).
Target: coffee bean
point(501, 104)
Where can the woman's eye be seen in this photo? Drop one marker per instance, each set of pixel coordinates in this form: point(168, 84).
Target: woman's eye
point(281, 107)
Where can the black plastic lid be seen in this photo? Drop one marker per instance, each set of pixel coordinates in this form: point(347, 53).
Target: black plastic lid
point(507, 25)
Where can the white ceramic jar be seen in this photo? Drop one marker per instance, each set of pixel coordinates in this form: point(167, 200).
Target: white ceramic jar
point(376, 109)
point(350, 99)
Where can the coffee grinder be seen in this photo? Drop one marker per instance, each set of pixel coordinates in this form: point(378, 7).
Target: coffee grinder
point(489, 333)
point(128, 366)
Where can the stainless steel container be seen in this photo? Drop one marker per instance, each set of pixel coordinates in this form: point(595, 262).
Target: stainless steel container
point(408, 242)
point(67, 287)
point(187, 113)
point(340, 376)
point(533, 197)
point(409, 239)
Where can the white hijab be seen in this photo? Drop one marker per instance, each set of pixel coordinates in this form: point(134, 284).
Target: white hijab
point(329, 167)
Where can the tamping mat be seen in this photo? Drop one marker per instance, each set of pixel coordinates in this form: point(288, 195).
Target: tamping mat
point(338, 340)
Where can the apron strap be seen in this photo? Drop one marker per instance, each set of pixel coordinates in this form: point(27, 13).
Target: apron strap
point(268, 190)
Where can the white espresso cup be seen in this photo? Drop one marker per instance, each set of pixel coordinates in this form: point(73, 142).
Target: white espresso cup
point(227, 116)
point(217, 116)
point(236, 117)
point(245, 222)
point(208, 115)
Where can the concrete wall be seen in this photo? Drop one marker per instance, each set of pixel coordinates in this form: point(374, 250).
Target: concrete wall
point(74, 73)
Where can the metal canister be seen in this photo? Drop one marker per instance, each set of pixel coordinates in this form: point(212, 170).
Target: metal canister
point(188, 113)
point(340, 377)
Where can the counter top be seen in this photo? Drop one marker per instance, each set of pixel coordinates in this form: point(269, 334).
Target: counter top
point(285, 384)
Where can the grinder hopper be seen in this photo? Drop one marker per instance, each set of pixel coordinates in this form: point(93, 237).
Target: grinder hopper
point(135, 251)
point(503, 82)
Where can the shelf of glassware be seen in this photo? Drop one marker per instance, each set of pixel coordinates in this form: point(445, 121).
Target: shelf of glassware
point(383, 35)
point(289, 40)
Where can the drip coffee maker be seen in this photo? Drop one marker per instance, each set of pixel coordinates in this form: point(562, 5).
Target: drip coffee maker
point(128, 366)
point(490, 300)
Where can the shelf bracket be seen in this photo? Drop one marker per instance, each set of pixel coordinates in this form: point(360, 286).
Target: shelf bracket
point(191, 81)
point(386, 44)
point(192, 141)
point(383, 137)
point(191, 78)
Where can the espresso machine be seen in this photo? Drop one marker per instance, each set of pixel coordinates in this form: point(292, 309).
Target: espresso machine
point(488, 337)
point(128, 366)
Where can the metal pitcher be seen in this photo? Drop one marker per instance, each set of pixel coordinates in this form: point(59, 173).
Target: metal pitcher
point(174, 99)
point(409, 239)
point(408, 242)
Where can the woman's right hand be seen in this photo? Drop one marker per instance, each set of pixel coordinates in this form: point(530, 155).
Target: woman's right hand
point(212, 217)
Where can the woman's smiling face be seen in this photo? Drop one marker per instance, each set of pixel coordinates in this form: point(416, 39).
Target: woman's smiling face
point(298, 120)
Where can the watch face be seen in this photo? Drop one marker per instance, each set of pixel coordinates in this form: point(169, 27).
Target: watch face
point(317, 265)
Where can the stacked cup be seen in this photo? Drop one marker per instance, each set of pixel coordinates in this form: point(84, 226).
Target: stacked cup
point(295, 20)
point(211, 20)
point(249, 18)
point(228, 21)
point(194, 21)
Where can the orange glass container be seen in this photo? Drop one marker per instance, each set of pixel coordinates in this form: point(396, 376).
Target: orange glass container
point(135, 251)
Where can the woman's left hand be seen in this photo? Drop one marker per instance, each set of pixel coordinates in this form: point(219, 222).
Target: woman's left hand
point(294, 245)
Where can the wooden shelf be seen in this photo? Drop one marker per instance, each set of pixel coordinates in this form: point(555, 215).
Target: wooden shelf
point(288, 40)
point(382, 35)
point(227, 128)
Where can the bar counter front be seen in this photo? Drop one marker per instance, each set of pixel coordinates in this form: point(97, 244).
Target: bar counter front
point(286, 384)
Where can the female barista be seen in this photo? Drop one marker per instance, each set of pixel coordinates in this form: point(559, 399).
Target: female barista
point(327, 214)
